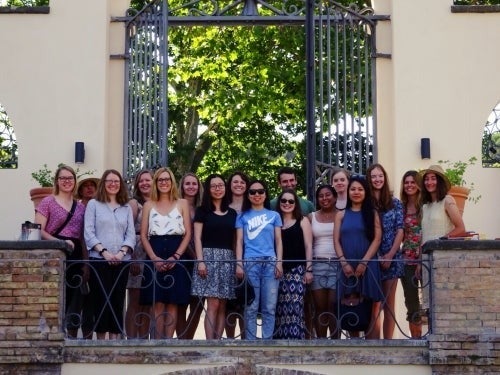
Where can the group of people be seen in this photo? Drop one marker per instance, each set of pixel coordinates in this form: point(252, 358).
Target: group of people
point(226, 248)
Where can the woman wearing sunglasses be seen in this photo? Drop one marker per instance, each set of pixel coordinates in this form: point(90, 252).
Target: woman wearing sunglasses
point(258, 231)
point(297, 267)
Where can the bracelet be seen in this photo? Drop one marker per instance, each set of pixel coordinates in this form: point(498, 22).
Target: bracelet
point(102, 250)
point(176, 257)
point(340, 257)
point(309, 271)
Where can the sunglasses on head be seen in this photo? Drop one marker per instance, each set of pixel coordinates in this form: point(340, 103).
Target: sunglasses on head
point(256, 191)
point(289, 201)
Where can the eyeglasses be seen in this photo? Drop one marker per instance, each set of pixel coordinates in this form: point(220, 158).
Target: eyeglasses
point(289, 201)
point(256, 191)
point(112, 182)
point(164, 180)
point(65, 179)
point(217, 186)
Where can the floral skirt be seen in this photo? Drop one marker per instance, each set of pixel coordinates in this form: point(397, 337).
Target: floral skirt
point(220, 281)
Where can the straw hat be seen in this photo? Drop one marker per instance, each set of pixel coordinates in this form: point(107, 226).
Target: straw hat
point(438, 170)
point(94, 180)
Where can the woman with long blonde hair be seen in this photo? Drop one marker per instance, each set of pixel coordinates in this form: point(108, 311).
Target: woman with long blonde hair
point(165, 235)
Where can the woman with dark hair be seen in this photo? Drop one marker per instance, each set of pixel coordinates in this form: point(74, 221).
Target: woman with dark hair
point(165, 235)
point(258, 231)
point(357, 235)
point(236, 187)
point(440, 215)
point(214, 236)
point(61, 218)
point(137, 315)
point(390, 210)
point(110, 239)
point(410, 197)
point(296, 236)
point(325, 263)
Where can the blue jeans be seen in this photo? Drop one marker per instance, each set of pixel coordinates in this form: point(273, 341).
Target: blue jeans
point(260, 274)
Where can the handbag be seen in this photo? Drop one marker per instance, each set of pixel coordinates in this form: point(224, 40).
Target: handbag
point(355, 312)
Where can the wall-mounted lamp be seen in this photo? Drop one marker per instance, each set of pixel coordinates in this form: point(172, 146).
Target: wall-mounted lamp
point(79, 152)
point(425, 148)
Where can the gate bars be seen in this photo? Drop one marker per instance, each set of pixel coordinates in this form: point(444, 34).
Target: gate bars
point(340, 77)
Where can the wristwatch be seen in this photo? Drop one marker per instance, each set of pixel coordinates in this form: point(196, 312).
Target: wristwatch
point(102, 251)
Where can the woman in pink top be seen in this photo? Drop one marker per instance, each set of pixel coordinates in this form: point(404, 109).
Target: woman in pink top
point(61, 218)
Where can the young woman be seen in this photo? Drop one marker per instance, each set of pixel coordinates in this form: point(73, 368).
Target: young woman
point(296, 236)
point(410, 197)
point(61, 217)
point(357, 235)
point(340, 179)
point(237, 184)
point(214, 236)
point(324, 268)
point(191, 191)
point(165, 235)
point(110, 239)
point(86, 189)
point(440, 216)
point(258, 231)
point(137, 318)
point(390, 210)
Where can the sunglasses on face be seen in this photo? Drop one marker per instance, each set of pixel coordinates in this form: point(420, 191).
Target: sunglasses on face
point(289, 201)
point(256, 191)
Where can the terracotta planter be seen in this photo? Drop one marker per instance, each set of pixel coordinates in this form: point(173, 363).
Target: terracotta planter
point(37, 194)
point(461, 194)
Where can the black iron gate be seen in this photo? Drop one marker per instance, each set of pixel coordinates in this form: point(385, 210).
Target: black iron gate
point(340, 79)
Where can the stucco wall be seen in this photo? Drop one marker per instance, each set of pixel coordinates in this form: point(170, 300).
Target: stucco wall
point(442, 82)
point(58, 86)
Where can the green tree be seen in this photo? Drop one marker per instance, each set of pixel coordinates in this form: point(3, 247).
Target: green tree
point(236, 98)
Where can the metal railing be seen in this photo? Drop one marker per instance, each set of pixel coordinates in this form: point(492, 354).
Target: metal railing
point(341, 319)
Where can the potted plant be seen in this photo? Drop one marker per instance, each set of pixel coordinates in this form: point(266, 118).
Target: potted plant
point(460, 189)
point(45, 178)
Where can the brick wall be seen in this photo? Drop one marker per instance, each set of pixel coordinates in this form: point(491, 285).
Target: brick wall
point(466, 307)
point(464, 318)
point(31, 285)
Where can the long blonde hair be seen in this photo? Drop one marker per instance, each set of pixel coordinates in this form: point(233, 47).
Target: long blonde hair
point(174, 191)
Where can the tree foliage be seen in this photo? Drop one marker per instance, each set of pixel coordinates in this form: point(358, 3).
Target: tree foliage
point(237, 98)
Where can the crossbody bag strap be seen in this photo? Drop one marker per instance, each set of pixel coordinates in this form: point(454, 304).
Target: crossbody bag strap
point(68, 218)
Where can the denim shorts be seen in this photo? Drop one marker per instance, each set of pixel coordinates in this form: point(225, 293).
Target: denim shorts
point(324, 274)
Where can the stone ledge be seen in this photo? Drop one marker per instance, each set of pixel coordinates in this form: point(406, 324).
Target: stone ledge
point(233, 352)
point(475, 9)
point(25, 10)
point(485, 245)
point(34, 245)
